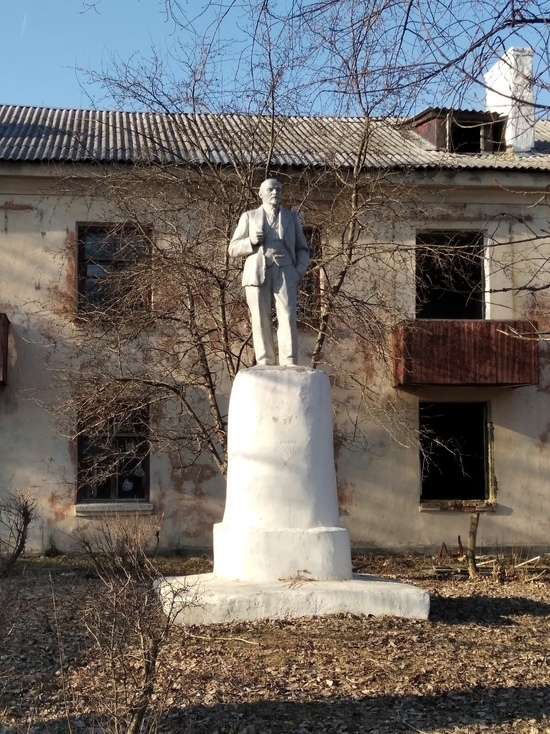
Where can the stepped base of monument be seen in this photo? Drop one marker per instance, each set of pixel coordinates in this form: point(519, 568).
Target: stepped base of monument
point(207, 599)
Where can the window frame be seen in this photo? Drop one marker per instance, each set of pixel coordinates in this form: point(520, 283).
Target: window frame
point(446, 237)
point(468, 135)
point(462, 132)
point(310, 287)
point(141, 457)
point(472, 504)
point(4, 346)
point(86, 306)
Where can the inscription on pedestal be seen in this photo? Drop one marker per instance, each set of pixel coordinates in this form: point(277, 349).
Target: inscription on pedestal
point(288, 447)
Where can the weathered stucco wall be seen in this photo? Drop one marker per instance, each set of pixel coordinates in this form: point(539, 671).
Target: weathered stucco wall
point(37, 292)
point(377, 457)
point(380, 486)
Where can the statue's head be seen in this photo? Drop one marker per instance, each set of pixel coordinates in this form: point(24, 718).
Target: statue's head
point(271, 192)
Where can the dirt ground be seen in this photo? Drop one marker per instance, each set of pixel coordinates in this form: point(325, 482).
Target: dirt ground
point(481, 663)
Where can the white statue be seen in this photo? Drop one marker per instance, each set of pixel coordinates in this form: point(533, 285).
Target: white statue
point(277, 257)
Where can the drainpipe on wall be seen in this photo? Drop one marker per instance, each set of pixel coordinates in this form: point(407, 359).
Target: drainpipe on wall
point(509, 91)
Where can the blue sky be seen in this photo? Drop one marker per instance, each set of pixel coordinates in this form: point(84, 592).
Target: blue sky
point(44, 42)
point(47, 46)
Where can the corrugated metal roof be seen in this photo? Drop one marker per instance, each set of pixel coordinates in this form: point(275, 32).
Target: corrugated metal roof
point(38, 134)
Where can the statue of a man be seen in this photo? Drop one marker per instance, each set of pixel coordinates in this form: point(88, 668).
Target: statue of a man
point(277, 257)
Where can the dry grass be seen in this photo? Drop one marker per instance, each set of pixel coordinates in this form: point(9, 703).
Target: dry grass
point(481, 663)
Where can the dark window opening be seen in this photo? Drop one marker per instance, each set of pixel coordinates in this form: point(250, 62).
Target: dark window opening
point(453, 451)
point(104, 254)
point(449, 275)
point(461, 131)
point(4, 333)
point(465, 138)
point(494, 137)
point(475, 137)
point(309, 294)
point(114, 465)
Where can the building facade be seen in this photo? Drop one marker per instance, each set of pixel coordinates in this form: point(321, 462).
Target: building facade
point(445, 411)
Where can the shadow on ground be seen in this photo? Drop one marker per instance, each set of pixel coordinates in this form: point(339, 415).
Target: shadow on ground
point(497, 708)
point(484, 610)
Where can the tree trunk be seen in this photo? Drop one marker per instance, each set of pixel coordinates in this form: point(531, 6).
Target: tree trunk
point(471, 552)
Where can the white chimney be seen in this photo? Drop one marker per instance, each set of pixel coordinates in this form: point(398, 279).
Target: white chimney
point(509, 91)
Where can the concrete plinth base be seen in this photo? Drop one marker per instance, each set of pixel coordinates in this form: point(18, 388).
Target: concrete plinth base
point(207, 599)
point(281, 510)
point(280, 552)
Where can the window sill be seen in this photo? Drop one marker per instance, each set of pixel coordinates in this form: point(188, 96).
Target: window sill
point(457, 506)
point(89, 509)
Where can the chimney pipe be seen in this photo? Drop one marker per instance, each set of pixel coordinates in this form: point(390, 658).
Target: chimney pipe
point(509, 91)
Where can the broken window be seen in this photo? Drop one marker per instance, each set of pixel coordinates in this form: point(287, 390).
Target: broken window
point(464, 138)
point(104, 280)
point(454, 451)
point(113, 465)
point(309, 294)
point(461, 131)
point(470, 136)
point(449, 275)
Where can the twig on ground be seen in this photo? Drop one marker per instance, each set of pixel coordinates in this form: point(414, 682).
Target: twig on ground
point(526, 563)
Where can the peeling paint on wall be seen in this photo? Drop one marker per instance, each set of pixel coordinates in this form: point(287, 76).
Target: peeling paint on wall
point(346, 492)
point(61, 507)
point(12, 206)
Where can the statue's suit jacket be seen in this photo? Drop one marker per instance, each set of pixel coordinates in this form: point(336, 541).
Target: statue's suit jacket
point(292, 235)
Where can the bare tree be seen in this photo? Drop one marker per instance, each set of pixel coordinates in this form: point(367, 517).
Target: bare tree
point(16, 514)
point(169, 330)
point(410, 53)
point(163, 328)
point(126, 622)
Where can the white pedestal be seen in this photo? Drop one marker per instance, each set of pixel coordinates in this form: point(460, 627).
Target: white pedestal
point(280, 551)
point(205, 599)
point(281, 511)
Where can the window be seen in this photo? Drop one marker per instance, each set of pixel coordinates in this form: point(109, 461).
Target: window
point(464, 138)
point(449, 275)
point(114, 465)
point(309, 295)
point(461, 131)
point(454, 452)
point(4, 332)
point(473, 136)
point(104, 252)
